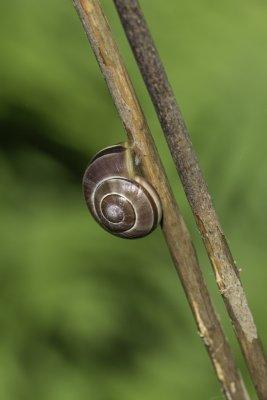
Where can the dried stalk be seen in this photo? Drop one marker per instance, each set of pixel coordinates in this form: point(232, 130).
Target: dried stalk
point(174, 229)
point(226, 273)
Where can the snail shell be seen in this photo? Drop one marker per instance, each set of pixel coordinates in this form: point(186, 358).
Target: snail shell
point(122, 203)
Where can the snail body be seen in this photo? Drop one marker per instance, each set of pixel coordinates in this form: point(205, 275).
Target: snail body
point(120, 201)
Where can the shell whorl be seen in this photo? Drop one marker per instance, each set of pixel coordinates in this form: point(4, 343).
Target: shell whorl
point(124, 205)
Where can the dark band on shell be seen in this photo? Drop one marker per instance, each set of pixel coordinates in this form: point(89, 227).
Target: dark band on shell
point(124, 206)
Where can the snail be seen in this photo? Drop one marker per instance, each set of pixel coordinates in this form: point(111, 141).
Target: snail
point(122, 202)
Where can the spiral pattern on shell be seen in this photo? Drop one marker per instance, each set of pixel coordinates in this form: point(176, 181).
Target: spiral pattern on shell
point(123, 206)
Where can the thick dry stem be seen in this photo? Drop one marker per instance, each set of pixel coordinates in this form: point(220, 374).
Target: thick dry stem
point(175, 231)
point(195, 187)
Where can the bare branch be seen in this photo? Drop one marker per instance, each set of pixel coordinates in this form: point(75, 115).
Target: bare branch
point(174, 229)
point(195, 187)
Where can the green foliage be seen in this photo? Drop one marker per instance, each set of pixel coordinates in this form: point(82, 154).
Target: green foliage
point(84, 314)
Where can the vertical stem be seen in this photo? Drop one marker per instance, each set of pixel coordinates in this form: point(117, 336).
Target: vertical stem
point(173, 125)
point(174, 229)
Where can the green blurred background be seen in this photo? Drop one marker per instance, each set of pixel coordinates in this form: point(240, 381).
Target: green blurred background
point(85, 315)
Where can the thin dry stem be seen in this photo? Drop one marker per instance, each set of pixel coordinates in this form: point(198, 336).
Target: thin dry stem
point(174, 229)
point(226, 273)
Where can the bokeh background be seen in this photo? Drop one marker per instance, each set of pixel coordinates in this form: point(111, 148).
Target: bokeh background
point(85, 315)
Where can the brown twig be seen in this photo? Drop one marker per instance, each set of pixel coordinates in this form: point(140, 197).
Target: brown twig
point(195, 187)
point(175, 231)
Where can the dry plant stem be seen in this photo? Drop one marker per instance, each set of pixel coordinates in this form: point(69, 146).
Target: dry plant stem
point(195, 187)
point(175, 231)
